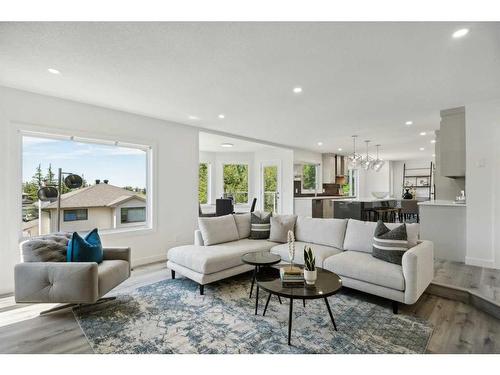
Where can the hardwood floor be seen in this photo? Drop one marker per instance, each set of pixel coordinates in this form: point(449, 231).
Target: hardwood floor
point(484, 282)
point(458, 327)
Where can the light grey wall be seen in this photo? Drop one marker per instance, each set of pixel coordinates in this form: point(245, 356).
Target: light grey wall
point(483, 183)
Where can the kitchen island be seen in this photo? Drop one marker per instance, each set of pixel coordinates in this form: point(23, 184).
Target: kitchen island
point(443, 222)
point(316, 206)
point(355, 208)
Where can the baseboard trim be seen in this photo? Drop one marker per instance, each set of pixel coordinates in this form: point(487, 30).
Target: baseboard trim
point(480, 262)
point(148, 260)
point(467, 296)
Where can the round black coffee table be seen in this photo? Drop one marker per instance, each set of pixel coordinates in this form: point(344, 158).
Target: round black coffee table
point(259, 259)
point(327, 284)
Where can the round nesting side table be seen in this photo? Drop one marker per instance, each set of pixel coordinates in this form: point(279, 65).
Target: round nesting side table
point(327, 284)
point(258, 260)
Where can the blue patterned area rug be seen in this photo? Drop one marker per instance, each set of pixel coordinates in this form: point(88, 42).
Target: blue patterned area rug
point(171, 317)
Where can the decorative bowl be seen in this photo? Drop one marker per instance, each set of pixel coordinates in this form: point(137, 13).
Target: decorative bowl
point(380, 194)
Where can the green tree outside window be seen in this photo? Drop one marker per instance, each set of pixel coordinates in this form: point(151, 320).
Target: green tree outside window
point(203, 183)
point(236, 182)
point(309, 177)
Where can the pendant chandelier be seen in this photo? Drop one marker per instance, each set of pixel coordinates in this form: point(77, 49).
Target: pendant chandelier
point(377, 163)
point(366, 162)
point(354, 159)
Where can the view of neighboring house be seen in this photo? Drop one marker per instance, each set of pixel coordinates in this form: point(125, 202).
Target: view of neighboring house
point(102, 206)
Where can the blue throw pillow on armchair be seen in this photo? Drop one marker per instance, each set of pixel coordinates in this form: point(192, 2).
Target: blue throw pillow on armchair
point(88, 249)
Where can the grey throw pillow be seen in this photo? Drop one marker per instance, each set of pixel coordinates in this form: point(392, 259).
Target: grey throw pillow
point(390, 245)
point(260, 225)
point(220, 229)
point(280, 225)
point(243, 224)
point(49, 248)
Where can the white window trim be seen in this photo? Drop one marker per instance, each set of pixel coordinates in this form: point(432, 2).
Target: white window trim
point(29, 130)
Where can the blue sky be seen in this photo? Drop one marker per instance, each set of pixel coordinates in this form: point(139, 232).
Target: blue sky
point(120, 165)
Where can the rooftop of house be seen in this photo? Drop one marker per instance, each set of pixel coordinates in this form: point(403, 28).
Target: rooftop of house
point(98, 195)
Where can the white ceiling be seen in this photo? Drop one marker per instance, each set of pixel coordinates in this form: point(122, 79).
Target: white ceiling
point(212, 143)
point(358, 78)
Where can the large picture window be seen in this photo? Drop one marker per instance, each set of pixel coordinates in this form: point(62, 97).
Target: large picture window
point(236, 182)
point(203, 183)
point(114, 184)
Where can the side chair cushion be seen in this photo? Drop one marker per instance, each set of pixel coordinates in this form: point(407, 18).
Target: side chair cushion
point(48, 248)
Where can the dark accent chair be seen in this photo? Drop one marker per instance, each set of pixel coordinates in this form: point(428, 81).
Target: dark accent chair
point(254, 202)
point(409, 210)
point(224, 206)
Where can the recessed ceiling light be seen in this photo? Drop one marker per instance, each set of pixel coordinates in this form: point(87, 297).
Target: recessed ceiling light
point(460, 33)
point(408, 123)
point(423, 133)
point(320, 143)
point(297, 90)
point(54, 71)
point(227, 145)
point(222, 115)
point(433, 155)
point(193, 117)
point(433, 141)
point(339, 149)
point(421, 149)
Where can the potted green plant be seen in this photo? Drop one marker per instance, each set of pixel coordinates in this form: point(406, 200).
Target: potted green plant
point(310, 272)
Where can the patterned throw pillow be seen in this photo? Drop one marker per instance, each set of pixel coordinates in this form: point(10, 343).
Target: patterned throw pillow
point(260, 225)
point(390, 245)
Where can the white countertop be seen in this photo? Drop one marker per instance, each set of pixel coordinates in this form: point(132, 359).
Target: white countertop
point(367, 200)
point(441, 202)
point(324, 197)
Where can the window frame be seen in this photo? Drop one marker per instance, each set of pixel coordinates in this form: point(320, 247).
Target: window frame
point(248, 179)
point(86, 210)
point(134, 221)
point(150, 149)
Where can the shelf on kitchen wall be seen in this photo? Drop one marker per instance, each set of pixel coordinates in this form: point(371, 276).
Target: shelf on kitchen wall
point(427, 172)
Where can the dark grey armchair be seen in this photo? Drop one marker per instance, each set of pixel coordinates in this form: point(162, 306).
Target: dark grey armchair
point(56, 281)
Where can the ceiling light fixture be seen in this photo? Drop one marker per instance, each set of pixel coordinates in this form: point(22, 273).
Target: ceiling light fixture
point(378, 163)
point(408, 123)
point(423, 133)
point(421, 149)
point(320, 143)
point(460, 33)
point(297, 90)
point(53, 71)
point(339, 149)
point(354, 159)
point(222, 115)
point(367, 162)
point(226, 145)
point(433, 155)
point(193, 118)
point(433, 141)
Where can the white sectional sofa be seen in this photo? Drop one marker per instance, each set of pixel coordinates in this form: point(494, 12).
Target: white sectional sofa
point(341, 246)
